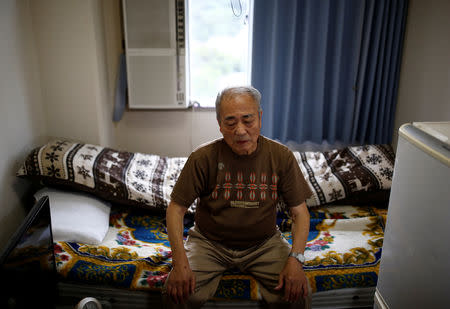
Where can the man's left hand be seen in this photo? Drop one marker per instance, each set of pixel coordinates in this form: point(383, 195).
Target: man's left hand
point(293, 278)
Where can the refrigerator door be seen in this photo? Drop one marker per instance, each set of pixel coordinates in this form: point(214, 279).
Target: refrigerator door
point(415, 264)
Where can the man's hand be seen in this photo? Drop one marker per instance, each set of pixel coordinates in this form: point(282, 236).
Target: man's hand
point(181, 283)
point(293, 278)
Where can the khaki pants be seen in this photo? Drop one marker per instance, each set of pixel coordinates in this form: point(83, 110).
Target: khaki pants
point(208, 261)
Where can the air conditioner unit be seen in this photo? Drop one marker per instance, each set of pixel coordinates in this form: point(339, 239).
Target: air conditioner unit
point(154, 33)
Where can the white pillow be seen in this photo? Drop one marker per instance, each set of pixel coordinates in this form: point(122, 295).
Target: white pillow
point(76, 216)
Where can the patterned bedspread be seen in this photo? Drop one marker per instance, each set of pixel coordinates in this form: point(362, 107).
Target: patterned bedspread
point(343, 250)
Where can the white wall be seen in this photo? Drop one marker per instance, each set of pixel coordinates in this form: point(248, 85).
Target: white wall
point(22, 121)
point(71, 53)
point(424, 90)
point(169, 133)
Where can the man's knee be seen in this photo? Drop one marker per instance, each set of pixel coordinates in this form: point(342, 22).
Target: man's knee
point(206, 286)
point(197, 300)
point(275, 298)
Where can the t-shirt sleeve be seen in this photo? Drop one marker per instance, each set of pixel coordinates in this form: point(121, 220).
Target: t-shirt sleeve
point(293, 186)
point(191, 181)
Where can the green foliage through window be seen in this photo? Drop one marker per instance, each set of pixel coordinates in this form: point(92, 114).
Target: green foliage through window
point(218, 46)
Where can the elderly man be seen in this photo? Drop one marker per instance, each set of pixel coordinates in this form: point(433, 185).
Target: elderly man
point(238, 179)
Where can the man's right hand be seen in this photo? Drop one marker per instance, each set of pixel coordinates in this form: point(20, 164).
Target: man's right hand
point(180, 283)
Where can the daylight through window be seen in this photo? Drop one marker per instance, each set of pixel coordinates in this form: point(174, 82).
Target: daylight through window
point(218, 47)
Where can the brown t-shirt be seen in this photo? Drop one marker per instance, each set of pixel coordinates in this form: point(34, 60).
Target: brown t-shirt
point(238, 194)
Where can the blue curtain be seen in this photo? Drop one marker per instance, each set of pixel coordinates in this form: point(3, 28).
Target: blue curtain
point(328, 70)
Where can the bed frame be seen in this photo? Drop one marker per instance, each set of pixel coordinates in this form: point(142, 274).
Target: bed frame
point(114, 298)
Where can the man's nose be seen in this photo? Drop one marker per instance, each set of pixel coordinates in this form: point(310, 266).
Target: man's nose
point(240, 129)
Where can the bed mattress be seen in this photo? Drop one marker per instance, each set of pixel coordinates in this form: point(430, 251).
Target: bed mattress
point(343, 254)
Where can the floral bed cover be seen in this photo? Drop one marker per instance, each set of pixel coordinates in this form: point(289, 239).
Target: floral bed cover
point(343, 251)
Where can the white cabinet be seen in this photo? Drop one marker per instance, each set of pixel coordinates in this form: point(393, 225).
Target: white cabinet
point(155, 53)
point(415, 266)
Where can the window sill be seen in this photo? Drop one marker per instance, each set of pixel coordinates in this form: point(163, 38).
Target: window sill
point(196, 106)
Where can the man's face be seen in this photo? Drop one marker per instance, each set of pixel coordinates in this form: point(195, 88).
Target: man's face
point(240, 123)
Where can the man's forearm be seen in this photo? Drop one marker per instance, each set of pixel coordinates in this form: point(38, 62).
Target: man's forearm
point(181, 281)
point(292, 277)
point(175, 227)
point(300, 228)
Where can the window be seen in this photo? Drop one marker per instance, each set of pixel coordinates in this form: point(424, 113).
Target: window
point(218, 47)
point(155, 56)
point(181, 52)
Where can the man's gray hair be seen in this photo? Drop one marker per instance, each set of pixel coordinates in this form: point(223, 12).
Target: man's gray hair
point(236, 91)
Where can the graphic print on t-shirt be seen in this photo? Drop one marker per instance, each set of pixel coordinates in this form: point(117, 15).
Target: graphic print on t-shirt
point(246, 191)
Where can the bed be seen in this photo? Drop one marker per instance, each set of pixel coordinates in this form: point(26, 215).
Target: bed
point(129, 263)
